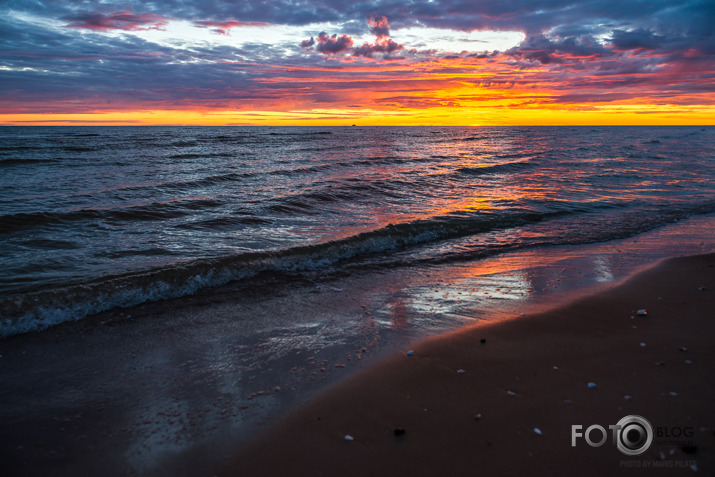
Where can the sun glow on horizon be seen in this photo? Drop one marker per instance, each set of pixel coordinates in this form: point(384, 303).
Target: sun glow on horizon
point(439, 116)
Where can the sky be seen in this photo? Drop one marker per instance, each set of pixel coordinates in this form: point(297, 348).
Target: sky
point(364, 62)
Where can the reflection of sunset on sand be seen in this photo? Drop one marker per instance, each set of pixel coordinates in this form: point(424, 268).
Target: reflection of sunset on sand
point(502, 398)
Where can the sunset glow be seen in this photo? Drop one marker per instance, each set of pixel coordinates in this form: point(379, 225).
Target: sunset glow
point(432, 62)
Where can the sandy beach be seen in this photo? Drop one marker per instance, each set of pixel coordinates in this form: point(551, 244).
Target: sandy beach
point(501, 398)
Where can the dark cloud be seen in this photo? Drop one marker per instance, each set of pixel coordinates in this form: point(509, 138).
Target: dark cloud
point(557, 50)
point(636, 40)
point(69, 74)
point(529, 16)
point(126, 20)
point(483, 55)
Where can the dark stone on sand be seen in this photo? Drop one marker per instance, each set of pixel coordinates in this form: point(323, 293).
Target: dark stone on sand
point(399, 431)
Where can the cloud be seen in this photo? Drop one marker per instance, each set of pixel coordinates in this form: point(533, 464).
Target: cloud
point(557, 50)
point(126, 20)
point(222, 28)
point(636, 40)
point(379, 27)
point(332, 45)
point(385, 46)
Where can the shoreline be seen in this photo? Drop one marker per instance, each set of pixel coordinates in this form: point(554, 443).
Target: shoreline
point(176, 387)
point(506, 405)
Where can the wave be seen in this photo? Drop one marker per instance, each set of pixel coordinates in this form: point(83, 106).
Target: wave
point(155, 211)
point(23, 162)
point(217, 179)
point(385, 245)
point(79, 149)
point(223, 223)
point(494, 169)
point(39, 310)
point(300, 134)
point(206, 155)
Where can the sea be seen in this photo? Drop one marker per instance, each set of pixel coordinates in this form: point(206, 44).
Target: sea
point(96, 218)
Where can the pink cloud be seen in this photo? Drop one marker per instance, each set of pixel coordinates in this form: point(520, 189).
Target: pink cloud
point(379, 27)
point(386, 46)
point(332, 45)
point(126, 20)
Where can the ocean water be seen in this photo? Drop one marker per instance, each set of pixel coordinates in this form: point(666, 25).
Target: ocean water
point(93, 218)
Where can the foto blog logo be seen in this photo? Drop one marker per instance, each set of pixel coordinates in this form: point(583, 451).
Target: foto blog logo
point(632, 435)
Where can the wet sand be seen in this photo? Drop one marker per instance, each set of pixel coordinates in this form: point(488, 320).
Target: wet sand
point(501, 398)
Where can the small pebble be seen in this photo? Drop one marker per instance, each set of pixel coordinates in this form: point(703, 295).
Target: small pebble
point(683, 348)
point(461, 371)
point(556, 367)
point(694, 467)
point(399, 431)
point(673, 393)
point(483, 341)
point(702, 288)
point(277, 389)
point(687, 361)
point(591, 385)
point(348, 437)
point(567, 401)
point(477, 416)
point(643, 345)
point(511, 393)
point(410, 353)
point(537, 431)
point(642, 312)
point(628, 397)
